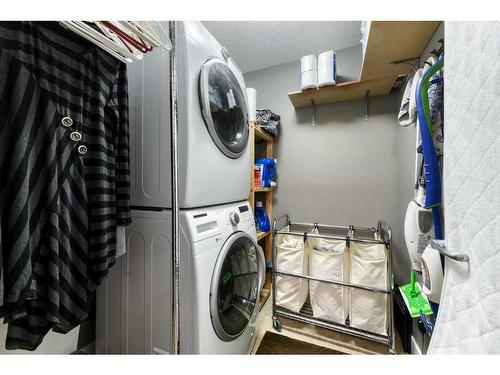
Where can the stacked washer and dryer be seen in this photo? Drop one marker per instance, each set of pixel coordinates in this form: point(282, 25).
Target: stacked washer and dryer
point(221, 266)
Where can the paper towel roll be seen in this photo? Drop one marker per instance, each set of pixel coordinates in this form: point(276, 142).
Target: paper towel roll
point(308, 80)
point(252, 104)
point(308, 72)
point(308, 62)
point(327, 69)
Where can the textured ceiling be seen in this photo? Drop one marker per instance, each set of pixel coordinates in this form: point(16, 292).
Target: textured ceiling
point(261, 44)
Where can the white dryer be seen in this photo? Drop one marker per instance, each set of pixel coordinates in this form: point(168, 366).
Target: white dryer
point(213, 129)
point(222, 281)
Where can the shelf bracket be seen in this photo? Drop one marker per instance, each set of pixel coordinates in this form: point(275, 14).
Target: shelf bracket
point(367, 105)
point(313, 106)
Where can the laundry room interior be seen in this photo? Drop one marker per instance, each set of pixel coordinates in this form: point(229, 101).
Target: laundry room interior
point(249, 187)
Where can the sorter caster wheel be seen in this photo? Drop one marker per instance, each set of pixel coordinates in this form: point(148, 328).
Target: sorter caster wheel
point(277, 324)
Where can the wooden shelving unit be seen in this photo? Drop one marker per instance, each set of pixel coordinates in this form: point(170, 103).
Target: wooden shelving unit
point(257, 135)
point(261, 235)
point(388, 42)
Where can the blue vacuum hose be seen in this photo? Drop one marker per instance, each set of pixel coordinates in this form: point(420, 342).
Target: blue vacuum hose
point(431, 164)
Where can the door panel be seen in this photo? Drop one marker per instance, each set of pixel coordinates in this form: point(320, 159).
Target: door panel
point(224, 107)
point(236, 283)
point(133, 304)
point(149, 118)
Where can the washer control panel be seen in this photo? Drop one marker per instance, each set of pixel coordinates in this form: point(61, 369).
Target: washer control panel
point(219, 221)
point(240, 217)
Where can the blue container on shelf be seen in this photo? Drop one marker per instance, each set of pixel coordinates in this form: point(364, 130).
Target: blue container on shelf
point(263, 224)
point(268, 171)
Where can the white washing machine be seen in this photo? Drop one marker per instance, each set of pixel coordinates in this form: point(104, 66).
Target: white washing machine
point(213, 129)
point(221, 286)
point(222, 271)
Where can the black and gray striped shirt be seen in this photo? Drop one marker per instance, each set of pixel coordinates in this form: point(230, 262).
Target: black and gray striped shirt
point(61, 197)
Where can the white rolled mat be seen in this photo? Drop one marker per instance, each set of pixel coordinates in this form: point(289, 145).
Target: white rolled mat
point(327, 69)
point(329, 259)
point(252, 103)
point(369, 310)
point(291, 256)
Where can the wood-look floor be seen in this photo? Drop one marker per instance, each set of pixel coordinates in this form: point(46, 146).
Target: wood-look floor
point(273, 343)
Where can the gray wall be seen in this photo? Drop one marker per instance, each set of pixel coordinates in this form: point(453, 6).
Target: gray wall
point(345, 169)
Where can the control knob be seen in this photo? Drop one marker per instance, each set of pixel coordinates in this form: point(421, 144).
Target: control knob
point(234, 218)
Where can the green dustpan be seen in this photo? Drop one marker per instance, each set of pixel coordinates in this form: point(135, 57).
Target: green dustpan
point(415, 301)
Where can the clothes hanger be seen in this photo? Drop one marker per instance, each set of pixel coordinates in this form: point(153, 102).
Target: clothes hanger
point(147, 33)
point(86, 34)
point(137, 31)
point(133, 33)
point(148, 30)
point(168, 42)
point(131, 52)
point(117, 47)
point(127, 36)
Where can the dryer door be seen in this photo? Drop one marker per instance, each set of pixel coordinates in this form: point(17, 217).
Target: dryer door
point(224, 107)
point(236, 284)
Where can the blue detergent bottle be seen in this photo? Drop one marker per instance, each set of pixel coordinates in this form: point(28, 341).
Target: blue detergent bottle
point(263, 224)
point(268, 171)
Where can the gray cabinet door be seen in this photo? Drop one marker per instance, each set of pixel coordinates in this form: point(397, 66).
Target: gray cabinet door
point(134, 302)
point(149, 117)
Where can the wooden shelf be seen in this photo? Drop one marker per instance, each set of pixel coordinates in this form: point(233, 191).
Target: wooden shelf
point(261, 235)
point(390, 41)
point(262, 189)
point(259, 133)
point(342, 92)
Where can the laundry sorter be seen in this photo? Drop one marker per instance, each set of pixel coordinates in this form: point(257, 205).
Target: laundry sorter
point(336, 277)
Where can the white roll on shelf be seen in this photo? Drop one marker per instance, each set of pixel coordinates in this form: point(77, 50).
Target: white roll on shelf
point(308, 72)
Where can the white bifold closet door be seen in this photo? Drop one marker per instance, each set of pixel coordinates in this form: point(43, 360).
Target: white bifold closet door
point(468, 321)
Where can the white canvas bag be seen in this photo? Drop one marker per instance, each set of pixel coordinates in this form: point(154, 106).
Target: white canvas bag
point(291, 256)
point(329, 259)
point(369, 267)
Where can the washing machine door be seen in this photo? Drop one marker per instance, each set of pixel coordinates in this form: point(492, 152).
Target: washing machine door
point(236, 284)
point(224, 107)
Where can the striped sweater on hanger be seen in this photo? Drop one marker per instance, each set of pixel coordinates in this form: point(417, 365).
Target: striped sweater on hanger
point(64, 175)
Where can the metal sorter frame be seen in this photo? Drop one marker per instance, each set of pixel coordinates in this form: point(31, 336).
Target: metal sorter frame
point(385, 233)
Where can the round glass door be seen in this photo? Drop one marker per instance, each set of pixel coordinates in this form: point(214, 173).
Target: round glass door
point(236, 283)
point(224, 107)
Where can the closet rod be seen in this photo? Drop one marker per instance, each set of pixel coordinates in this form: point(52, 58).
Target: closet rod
point(175, 323)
